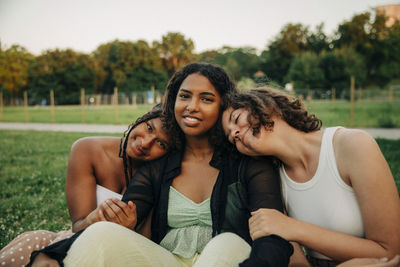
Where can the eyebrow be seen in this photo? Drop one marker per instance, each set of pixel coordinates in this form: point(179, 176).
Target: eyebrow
point(155, 129)
point(230, 115)
point(230, 119)
point(152, 124)
point(202, 93)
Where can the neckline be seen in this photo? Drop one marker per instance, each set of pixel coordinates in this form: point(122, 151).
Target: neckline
point(188, 199)
point(313, 179)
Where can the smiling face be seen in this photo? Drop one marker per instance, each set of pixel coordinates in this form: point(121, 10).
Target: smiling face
point(197, 105)
point(147, 141)
point(239, 131)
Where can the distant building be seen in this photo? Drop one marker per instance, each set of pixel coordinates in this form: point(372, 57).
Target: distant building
point(392, 12)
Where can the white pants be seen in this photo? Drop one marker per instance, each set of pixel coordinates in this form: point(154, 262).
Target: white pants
point(109, 244)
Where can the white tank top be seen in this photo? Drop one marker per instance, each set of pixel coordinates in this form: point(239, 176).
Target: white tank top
point(103, 193)
point(325, 200)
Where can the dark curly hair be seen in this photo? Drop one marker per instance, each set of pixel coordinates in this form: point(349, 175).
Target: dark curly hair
point(264, 102)
point(155, 112)
point(218, 78)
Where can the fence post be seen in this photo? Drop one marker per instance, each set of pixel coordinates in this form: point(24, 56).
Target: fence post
point(352, 83)
point(83, 104)
point(153, 89)
point(359, 100)
point(391, 93)
point(134, 101)
point(116, 103)
point(52, 105)
point(26, 106)
point(333, 95)
point(1, 106)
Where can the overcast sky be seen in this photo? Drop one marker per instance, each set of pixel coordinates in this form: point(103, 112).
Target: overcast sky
point(85, 24)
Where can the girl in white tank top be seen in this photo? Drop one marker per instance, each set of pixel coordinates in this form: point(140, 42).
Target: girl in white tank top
point(338, 189)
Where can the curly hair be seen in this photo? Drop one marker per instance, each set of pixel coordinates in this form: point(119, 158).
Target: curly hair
point(218, 78)
point(155, 112)
point(264, 102)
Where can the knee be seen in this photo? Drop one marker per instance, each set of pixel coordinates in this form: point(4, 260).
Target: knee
point(229, 240)
point(104, 231)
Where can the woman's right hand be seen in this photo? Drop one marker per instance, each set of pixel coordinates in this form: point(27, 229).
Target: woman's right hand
point(115, 210)
point(42, 260)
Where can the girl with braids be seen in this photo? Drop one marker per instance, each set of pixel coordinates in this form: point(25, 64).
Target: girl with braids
point(336, 185)
point(201, 195)
point(99, 171)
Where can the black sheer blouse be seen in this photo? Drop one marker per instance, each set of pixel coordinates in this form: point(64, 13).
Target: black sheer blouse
point(243, 185)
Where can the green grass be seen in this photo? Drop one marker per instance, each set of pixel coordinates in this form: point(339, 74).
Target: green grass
point(73, 114)
point(366, 114)
point(32, 174)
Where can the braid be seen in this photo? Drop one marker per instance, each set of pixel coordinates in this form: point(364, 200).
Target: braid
point(155, 112)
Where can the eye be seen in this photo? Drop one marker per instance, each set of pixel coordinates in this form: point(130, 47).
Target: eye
point(207, 99)
point(162, 144)
point(183, 95)
point(237, 118)
point(149, 128)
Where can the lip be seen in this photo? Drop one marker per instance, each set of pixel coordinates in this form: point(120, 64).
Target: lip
point(242, 138)
point(138, 151)
point(191, 121)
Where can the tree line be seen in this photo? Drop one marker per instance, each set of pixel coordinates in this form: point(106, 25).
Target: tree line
point(363, 47)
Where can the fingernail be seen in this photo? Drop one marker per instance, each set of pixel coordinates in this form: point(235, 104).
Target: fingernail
point(384, 259)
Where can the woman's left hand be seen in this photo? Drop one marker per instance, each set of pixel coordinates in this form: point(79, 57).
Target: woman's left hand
point(264, 222)
point(115, 210)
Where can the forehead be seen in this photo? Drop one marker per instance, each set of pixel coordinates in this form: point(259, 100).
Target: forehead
point(198, 82)
point(226, 116)
point(161, 133)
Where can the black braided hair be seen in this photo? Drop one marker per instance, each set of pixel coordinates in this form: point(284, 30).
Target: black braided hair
point(155, 112)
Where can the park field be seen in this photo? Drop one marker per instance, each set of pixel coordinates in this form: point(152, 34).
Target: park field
point(32, 175)
point(366, 114)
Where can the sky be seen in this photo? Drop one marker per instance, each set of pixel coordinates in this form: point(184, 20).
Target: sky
point(83, 25)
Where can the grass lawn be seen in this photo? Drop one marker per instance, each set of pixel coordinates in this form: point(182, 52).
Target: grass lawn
point(32, 174)
point(73, 114)
point(366, 114)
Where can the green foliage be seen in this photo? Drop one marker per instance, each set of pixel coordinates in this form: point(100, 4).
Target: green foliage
point(305, 71)
point(175, 51)
point(64, 71)
point(14, 64)
point(238, 62)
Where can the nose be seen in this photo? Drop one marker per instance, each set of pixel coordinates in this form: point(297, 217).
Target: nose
point(148, 141)
point(235, 134)
point(192, 105)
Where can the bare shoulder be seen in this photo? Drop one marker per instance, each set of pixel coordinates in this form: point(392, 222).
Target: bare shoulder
point(93, 143)
point(353, 141)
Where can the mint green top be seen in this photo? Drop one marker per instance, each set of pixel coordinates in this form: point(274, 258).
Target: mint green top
point(190, 223)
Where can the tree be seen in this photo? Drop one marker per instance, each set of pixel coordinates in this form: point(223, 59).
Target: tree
point(305, 72)
point(64, 71)
point(122, 63)
point(318, 41)
point(175, 51)
point(277, 58)
point(14, 65)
